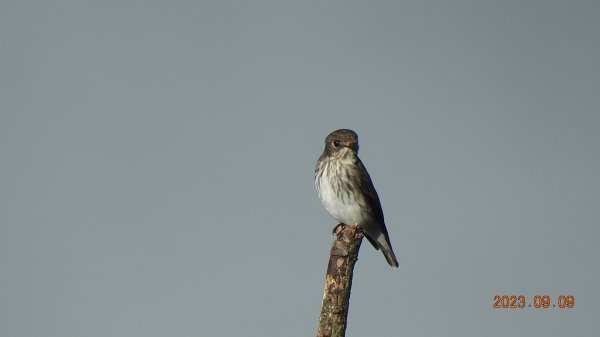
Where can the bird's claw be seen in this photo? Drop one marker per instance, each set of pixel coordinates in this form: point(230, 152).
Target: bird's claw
point(338, 229)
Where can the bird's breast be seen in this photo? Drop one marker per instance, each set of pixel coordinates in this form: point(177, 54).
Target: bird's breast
point(341, 199)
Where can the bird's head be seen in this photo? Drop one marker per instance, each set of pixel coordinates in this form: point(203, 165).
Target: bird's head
point(341, 143)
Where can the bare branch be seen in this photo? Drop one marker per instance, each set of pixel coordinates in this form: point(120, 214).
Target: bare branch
point(338, 281)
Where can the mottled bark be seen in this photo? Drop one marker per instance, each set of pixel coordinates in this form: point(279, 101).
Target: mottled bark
point(338, 281)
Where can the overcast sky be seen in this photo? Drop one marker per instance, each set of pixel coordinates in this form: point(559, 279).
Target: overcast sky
point(157, 158)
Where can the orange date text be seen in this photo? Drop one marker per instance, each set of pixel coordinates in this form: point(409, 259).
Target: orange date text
point(537, 302)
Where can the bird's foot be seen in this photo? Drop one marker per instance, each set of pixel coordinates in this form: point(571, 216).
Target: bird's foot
point(338, 229)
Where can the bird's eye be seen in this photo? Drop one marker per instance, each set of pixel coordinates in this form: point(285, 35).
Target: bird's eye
point(336, 143)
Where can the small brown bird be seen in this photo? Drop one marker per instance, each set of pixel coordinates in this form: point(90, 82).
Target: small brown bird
point(345, 189)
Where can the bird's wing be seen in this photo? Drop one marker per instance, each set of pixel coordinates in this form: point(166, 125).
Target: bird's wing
point(368, 190)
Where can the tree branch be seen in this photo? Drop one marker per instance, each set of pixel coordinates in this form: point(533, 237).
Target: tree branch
point(338, 281)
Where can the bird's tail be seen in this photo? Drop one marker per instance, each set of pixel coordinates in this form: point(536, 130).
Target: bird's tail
point(390, 257)
point(382, 241)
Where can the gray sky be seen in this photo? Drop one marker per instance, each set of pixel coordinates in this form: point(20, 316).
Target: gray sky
point(157, 165)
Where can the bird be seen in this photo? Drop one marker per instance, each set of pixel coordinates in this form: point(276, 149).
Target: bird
point(345, 188)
